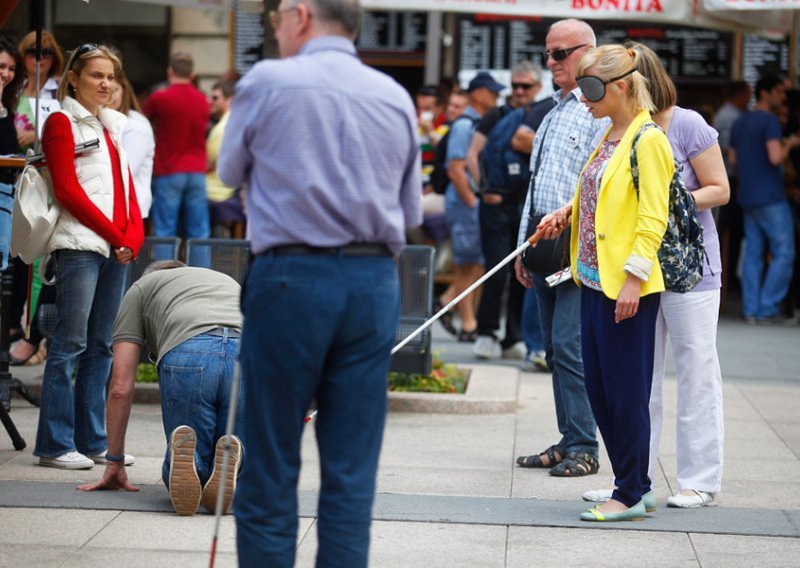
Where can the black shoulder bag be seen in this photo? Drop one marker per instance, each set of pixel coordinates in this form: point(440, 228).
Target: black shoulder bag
point(548, 256)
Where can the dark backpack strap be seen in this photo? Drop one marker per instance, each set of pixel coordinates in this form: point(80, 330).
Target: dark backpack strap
point(634, 161)
point(536, 170)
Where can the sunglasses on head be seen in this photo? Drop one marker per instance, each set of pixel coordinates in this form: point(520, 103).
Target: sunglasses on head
point(82, 50)
point(46, 52)
point(562, 54)
point(524, 86)
point(594, 88)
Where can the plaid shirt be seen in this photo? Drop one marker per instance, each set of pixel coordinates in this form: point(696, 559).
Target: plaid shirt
point(568, 130)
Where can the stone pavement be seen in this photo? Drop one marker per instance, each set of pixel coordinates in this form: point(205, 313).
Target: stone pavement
point(448, 492)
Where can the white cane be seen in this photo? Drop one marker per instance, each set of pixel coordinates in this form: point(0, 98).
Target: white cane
point(531, 241)
point(226, 455)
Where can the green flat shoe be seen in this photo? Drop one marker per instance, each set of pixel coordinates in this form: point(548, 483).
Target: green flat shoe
point(649, 500)
point(635, 513)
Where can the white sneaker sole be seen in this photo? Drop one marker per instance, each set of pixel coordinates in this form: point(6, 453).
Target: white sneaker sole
point(184, 483)
point(53, 462)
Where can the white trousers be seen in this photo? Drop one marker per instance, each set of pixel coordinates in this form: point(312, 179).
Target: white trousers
point(690, 322)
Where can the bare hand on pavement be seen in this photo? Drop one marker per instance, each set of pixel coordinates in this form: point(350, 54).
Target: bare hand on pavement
point(115, 477)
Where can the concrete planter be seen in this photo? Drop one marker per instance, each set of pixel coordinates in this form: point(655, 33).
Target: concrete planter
point(491, 390)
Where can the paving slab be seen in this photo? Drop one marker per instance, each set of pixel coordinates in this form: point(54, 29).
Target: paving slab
point(726, 551)
point(529, 546)
point(426, 544)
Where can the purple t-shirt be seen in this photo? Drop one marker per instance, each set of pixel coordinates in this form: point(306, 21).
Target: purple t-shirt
point(690, 135)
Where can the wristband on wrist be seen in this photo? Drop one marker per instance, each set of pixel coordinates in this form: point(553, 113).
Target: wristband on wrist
point(115, 459)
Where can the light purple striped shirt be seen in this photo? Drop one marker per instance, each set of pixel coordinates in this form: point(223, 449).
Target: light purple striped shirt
point(328, 149)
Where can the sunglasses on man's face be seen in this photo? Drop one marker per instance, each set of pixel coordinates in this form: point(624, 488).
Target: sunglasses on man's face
point(561, 54)
point(594, 88)
point(46, 52)
point(523, 86)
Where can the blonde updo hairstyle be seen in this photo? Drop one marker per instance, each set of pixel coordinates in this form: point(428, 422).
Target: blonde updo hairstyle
point(609, 61)
point(77, 61)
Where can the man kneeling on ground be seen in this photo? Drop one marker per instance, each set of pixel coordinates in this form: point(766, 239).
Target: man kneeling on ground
point(190, 319)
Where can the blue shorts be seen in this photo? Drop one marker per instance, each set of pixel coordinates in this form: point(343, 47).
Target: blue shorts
point(465, 231)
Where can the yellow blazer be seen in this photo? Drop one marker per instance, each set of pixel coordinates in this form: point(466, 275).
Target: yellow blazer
point(624, 225)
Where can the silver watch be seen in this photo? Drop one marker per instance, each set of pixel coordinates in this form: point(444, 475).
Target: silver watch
point(3, 112)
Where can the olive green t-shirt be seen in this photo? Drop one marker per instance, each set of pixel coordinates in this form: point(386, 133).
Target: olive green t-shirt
point(167, 307)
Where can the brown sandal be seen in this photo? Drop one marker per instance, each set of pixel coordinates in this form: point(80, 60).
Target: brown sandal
point(555, 454)
point(576, 464)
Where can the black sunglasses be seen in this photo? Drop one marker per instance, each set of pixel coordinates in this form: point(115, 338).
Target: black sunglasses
point(561, 54)
point(594, 88)
point(46, 52)
point(81, 51)
point(525, 86)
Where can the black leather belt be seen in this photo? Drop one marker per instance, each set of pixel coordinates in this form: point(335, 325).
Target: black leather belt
point(355, 249)
point(220, 332)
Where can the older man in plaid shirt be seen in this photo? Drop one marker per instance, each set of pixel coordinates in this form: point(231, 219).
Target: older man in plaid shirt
point(567, 133)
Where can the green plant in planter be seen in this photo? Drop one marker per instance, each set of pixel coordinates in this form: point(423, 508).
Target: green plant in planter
point(443, 378)
point(146, 373)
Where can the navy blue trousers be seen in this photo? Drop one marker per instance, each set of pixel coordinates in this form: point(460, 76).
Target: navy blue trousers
point(618, 369)
point(314, 327)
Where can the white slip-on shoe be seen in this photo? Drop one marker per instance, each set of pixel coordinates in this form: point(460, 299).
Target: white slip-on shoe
point(100, 458)
point(184, 483)
point(699, 499)
point(487, 347)
point(598, 495)
point(70, 460)
point(211, 490)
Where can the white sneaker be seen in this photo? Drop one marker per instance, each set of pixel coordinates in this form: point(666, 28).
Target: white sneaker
point(487, 347)
point(70, 460)
point(516, 351)
point(699, 499)
point(100, 458)
point(598, 495)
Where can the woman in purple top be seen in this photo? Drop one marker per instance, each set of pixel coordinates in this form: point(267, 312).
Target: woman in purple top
point(689, 320)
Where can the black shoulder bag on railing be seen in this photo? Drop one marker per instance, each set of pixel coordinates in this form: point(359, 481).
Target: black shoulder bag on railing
point(548, 256)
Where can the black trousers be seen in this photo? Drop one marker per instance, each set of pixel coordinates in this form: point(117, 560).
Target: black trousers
point(499, 228)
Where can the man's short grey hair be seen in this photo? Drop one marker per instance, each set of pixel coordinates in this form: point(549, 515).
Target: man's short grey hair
point(528, 68)
point(162, 265)
point(346, 14)
point(581, 28)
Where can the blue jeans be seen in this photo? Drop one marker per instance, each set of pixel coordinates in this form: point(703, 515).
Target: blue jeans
point(315, 327)
point(531, 322)
point(770, 225)
point(88, 293)
point(560, 314)
point(195, 379)
point(178, 194)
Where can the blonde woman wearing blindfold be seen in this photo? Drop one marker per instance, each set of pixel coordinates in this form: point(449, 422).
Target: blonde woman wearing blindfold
point(616, 237)
point(689, 320)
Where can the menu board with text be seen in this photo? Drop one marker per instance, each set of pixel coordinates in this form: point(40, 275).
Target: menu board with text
point(393, 32)
point(689, 54)
point(762, 57)
point(248, 40)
